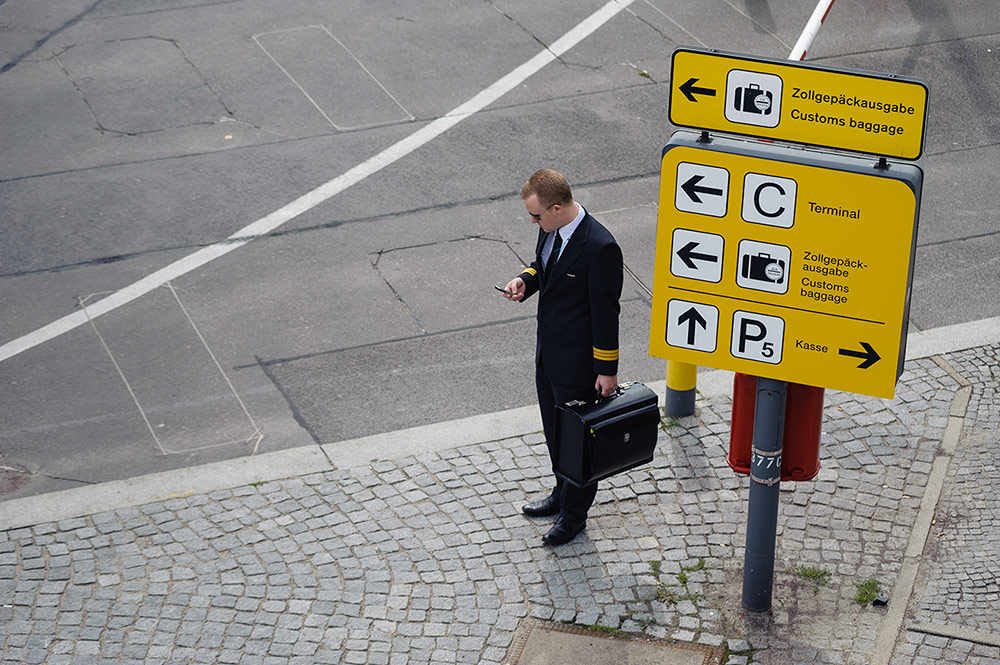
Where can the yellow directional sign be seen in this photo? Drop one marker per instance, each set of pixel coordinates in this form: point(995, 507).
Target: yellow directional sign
point(793, 270)
point(791, 101)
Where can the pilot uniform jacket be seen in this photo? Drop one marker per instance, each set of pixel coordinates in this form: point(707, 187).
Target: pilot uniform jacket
point(578, 305)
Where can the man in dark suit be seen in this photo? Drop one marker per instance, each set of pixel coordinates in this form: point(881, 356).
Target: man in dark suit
point(577, 274)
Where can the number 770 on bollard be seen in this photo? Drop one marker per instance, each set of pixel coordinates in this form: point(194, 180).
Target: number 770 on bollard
point(783, 263)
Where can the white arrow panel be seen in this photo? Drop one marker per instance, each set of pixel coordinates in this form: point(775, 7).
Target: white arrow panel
point(696, 255)
point(702, 189)
point(692, 325)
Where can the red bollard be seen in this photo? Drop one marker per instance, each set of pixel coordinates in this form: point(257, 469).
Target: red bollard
point(801, 433)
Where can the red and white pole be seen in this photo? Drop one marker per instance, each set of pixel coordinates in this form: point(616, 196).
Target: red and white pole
point(811, 30)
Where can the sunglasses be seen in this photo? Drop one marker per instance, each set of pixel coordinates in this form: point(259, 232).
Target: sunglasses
point(538, 217)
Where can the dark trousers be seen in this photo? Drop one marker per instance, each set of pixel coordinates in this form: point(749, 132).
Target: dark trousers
point(574, 502)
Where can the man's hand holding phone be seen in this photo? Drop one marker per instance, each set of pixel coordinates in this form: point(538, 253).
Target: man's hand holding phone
point(514, 289)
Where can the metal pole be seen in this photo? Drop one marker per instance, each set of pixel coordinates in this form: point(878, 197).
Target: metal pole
point(768, 429)
point(765, 477)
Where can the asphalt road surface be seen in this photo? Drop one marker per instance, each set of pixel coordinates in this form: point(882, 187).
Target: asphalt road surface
point(297, 211)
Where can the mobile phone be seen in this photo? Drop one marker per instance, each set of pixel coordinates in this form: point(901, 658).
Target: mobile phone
point(503, 290)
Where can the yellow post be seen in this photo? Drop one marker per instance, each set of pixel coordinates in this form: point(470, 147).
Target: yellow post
point(681, 381)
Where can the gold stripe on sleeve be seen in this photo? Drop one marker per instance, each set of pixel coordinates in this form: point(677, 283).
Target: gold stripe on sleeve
point(604, 354)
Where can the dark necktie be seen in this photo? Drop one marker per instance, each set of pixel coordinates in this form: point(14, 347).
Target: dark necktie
point(554, 254)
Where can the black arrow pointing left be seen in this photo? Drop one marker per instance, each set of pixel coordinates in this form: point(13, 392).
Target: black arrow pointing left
point(692, 189)
point(690, 90)
point(689, 256)
point(869, 355)
point(693, 319)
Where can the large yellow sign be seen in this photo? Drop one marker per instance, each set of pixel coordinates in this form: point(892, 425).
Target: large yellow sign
point(793, 270)
point(791, 101)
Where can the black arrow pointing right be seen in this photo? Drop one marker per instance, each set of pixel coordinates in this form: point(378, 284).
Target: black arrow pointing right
point(692, 189)
point(689, 256)
point(693, 319)
point(869, 355)
point(689, 90)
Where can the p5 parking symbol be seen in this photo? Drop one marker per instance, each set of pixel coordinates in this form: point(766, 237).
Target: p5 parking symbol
point(757, 337)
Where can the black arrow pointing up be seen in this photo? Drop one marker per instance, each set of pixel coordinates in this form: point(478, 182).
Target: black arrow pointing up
point(689, 256)
point(692, 189)
point(869, 355)
point(689, 90)
point(693, 319)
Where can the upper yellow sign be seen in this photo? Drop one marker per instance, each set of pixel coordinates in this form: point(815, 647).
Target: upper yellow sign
point(790, 101)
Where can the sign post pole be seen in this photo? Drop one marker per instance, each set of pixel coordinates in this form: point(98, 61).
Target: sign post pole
point(765, 476)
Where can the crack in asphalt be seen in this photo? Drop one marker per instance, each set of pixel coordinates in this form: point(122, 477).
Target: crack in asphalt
point(44, 40)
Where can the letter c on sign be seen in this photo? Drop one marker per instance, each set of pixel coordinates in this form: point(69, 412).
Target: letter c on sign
point(756, 200)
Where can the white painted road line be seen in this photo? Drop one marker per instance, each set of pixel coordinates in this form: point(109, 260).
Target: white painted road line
point(322, 193)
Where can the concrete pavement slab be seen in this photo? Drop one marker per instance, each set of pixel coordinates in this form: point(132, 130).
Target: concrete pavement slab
point(959, 208)
point(174, 93)
point(338, 84)
point(937, 297)
point(67, 121)
point(423, 279)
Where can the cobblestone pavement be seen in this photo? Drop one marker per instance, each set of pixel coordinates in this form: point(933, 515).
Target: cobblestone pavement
point(961, 572)
point(427, 559)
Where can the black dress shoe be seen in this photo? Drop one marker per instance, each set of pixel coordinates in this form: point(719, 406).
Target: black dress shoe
point(547, 506)
point(563, 531)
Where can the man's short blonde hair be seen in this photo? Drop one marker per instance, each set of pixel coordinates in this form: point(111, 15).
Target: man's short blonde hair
point(551, 187)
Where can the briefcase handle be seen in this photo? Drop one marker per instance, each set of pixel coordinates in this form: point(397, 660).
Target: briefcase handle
point(598, 397)
point(622, 387)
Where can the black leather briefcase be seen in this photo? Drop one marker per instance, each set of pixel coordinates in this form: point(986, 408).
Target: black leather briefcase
point(595, 440)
